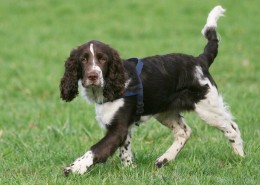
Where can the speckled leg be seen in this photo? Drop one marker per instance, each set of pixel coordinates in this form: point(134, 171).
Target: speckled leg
point(181, 131)
point(215, 113)
point(125, 151)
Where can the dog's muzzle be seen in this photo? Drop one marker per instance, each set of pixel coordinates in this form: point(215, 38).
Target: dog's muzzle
point(93, 78)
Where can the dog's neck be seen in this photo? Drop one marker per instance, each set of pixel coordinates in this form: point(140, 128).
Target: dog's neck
point(95, 94)
point(92, 94)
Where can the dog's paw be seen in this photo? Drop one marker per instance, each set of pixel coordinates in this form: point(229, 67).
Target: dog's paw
point(160, 162)
point(76, 169)
point(80, 165)
point(67, 171)
point(127, 163)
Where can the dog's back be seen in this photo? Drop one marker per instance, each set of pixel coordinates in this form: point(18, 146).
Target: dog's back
point(171, 81)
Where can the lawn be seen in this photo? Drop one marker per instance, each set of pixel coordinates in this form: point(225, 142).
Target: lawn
point(40, 134)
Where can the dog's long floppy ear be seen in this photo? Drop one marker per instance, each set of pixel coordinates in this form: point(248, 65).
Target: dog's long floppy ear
point(115, 78)
point(69, 81)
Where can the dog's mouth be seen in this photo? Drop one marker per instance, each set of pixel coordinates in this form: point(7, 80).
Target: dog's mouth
point(95, 92)
point(92, 84)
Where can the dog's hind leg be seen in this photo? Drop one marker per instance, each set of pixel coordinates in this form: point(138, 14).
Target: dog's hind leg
point(181, 131)
point(214, 112)
point(125, 150)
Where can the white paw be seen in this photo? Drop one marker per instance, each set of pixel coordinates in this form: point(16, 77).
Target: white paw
point(80, 165)
point(160, 162)
point(127, 162)
point(238, 149)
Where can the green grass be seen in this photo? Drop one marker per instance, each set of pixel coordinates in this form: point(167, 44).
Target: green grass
point(40, 134)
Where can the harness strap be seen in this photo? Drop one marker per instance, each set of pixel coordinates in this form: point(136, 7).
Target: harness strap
point(138, 92)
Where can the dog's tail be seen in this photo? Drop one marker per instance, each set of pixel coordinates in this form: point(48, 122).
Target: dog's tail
point(210, 33)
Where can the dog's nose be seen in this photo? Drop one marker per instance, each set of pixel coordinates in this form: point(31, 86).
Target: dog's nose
point(92, 76)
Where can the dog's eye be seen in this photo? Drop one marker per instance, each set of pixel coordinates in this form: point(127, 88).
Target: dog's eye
point(101, 58)
point(84, 60)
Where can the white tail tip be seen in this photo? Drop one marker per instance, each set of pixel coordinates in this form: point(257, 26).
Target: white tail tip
point(213, 17)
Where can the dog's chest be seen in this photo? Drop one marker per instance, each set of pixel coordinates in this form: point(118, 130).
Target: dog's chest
point(107, 111)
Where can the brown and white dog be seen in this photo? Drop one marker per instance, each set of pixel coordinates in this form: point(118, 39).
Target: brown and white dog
point(166, 86)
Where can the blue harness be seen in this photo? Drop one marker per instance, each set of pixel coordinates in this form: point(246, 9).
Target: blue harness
point(139, 91)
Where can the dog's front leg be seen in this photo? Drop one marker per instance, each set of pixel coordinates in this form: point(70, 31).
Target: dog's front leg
point(81, 164)
point(116, 134)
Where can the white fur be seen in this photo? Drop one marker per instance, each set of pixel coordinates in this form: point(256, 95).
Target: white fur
point(81, 164)
point(213, 109)
point(96, 68)
point(181, 132)
point(127, 82)
point(93, 53)
point(92, 94)
point(213, 103)
point(106, 112)
point(145, 118)
point(215, 112)
point(200, 76)
point(213, 17)
point(125, 151)
point(100, 74)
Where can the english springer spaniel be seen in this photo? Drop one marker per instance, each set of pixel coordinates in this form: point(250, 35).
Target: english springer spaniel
point(128, 92)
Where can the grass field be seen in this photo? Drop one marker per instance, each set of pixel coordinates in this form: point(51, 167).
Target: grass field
point(40, 134)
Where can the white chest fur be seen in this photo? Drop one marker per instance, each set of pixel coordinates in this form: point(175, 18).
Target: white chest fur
point(106, 112)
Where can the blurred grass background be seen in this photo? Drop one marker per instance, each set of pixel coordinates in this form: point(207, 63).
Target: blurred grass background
point(40, 134)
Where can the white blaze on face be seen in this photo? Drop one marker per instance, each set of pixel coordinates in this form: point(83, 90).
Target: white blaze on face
point(93, 53)
point(95, 67)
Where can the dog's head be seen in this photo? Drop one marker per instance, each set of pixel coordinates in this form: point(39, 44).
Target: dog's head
point(97, 65)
